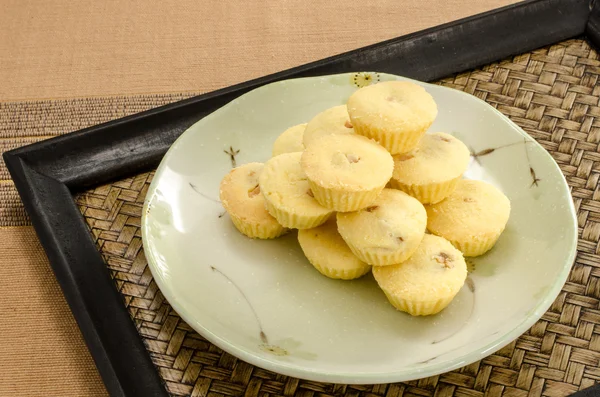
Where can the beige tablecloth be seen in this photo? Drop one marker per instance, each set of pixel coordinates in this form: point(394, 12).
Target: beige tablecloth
point(58, 49)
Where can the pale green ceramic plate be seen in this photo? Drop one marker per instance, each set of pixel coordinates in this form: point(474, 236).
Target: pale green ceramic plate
point(264, 303)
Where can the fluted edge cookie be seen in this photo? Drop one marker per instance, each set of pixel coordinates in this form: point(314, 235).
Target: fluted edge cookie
point(388, 231)
point(428, 281)
point(240, 195)
point(431, 171)
point(472, 218)
point(290, 141)
point(394, 113)
point(329, 254)
point(346, 172)
point(334, 120)
point(288, 195)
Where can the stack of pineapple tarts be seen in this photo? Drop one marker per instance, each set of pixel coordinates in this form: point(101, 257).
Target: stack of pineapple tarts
point(363, 183)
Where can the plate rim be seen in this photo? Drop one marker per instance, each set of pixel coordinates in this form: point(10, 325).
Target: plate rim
point(358, 378)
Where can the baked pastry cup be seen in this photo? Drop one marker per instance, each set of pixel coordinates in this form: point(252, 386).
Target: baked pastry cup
point(241, 197)
point(287, 194)
point(329, 254)
point(428, 281)
point(387, 232)
point(334, 120)
point(394, 113)
point(346, 172)
point(431, 171)
point(472, 218)
point(290, 140)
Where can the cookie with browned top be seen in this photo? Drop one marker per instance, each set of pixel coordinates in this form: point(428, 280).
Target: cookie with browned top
point(241, 197)
point(472, 218)
point(431, 171)
point(394, 113)
point(334, 120)
point(428, 281)
point(346, 172)
point(290, 140)
point(388, 231)
point(329, 254)
point(287, 193)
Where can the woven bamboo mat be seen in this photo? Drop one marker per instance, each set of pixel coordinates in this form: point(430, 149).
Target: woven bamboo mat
point(22, 123)
point(552, 93)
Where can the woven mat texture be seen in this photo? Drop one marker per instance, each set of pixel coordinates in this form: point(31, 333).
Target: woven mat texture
point(552, 93)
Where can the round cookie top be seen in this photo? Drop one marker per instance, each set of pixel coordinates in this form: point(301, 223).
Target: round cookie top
point(240, 194)
point(324, 244)
point(439, 157)
point(475, 209)
point(347, 162)
point(393, 106)
point(334, 120)
point(395, 221)
point(434, 271)
point(285, 185)
point(290, 140)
